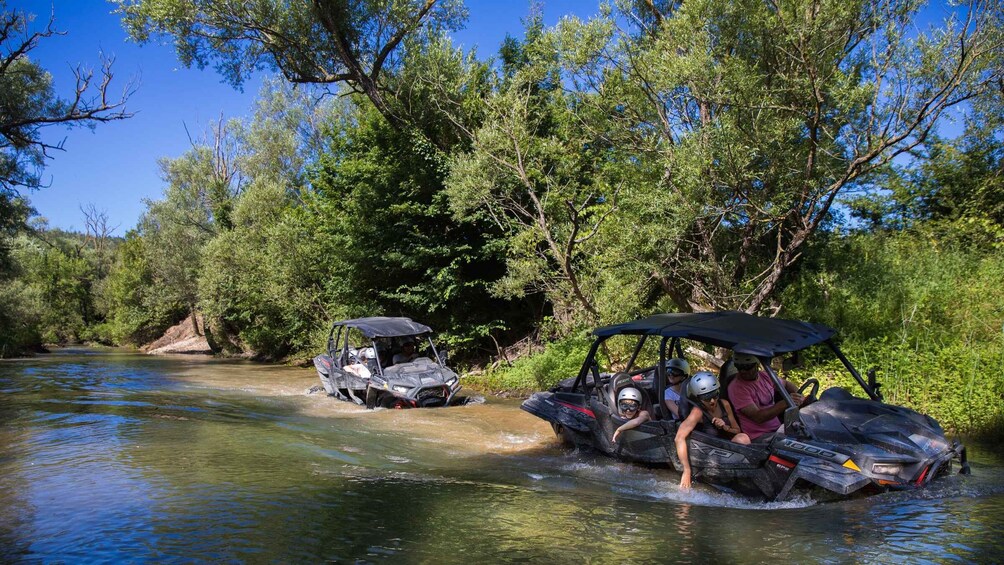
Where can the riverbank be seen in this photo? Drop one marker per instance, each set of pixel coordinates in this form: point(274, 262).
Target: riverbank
point(186, 337)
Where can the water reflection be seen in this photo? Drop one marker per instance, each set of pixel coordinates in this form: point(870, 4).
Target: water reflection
point(112, 456)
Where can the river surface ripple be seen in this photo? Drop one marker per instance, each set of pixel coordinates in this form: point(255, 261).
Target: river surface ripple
point(108, 456)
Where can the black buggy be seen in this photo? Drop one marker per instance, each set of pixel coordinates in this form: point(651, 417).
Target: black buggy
point(837, 445)
point(359, 365)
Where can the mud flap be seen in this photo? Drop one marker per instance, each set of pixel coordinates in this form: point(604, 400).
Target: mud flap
point(324, 372)
point(963, 462)
point(355, 398)
point(776, 480)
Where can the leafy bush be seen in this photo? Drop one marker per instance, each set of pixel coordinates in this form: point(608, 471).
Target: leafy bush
point(19, 314)
point(559, 360)
point(926, 311)
point(140, 308)
point(261, 279)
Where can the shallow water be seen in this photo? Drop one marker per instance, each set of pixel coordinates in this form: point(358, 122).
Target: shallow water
point(111, 456)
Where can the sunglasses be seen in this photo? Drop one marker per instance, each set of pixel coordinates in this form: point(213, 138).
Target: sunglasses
point(707, 396)
point(745, 366)
point(628, 406)
point(676, 372)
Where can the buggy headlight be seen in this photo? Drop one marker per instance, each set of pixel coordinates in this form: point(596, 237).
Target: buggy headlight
point(887, 468)
point(401, 389)
point(451, 381)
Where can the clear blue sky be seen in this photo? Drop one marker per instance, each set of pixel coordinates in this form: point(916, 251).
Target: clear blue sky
point(115, 166)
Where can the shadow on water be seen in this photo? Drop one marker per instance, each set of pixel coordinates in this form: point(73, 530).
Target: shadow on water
point(112, 456)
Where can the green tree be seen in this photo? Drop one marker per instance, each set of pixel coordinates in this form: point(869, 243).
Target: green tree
point(255, 286)
point(28, 104)
point(139, 306)
point(260, 281)
point(394, 246)
point(956, 184)
point(61, 272)
point(545, 170)
point(202, 186)
point(750, 120)
point(320, 42)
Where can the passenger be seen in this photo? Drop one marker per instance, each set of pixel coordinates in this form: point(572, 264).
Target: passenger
point(713, 415)
point(629, 406)
point(360, 368)
point(677, 371)
point(408, 353)
point(752, 394)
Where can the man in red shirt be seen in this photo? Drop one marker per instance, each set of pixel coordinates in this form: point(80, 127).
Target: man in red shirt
point(752, 395)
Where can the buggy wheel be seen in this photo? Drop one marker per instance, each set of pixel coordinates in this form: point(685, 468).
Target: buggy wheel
point(391, 401)
point(371, 397)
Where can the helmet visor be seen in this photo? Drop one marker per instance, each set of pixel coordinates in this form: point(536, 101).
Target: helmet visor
point(708, 396)
point(628, 405)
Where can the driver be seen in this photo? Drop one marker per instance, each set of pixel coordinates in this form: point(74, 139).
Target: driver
point(752, 395)
point(407, 354)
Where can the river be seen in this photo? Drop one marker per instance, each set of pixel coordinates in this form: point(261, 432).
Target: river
point(111, 456)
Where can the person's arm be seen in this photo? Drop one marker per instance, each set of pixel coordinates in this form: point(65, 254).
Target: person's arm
point(674, 408)
point(729, 424)
point(682, 433)
point(642, 417)
point(789, 386)
point(744, 400)
point(761, 415)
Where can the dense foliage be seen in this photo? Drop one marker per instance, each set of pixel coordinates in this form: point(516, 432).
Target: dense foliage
point(778, 158)
point(923, 309)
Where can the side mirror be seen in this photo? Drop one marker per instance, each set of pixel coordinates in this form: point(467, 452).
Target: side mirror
point(444, 353)
point(793, 423)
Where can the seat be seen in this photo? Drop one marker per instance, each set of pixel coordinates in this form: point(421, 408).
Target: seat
point(725, 376)
point(685, 404)
point(614, 386)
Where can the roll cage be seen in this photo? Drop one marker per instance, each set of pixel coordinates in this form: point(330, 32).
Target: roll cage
point(376, 329)
point(743, 333)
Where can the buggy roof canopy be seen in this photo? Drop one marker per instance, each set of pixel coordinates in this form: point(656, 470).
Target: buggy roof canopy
point(739, 331)
point(380, 326)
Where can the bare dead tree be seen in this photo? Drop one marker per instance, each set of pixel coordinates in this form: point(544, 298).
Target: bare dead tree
point(97, 230)
point(29, 105)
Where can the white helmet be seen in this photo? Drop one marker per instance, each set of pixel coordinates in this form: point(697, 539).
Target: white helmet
point(629, 393)
point(703, 383)
point(367, 353)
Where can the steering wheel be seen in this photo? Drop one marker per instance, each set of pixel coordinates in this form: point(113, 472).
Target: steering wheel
point(815, 389)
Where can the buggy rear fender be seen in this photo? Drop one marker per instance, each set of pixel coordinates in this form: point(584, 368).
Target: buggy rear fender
point(566, 409)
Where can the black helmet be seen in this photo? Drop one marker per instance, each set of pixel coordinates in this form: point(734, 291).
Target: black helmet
point(678, 363)
point(744, 360)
